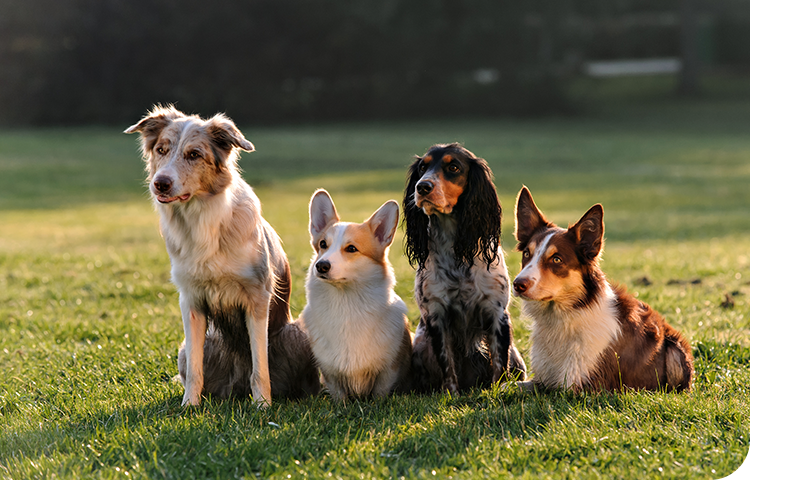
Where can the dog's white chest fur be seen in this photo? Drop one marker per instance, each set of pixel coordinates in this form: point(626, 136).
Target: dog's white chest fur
point(355, 329)
point(566, 347)
point(216, 245)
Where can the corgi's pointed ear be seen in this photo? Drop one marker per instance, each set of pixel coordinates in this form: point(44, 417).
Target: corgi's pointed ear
point(528, 217)
point(322, 212)
point(383, 223)
point(589, 232)
point(226, 135)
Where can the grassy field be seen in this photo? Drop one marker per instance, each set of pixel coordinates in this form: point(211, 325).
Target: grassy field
point(89, 323)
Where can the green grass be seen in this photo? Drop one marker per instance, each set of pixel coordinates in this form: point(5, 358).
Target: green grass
point(89, 323)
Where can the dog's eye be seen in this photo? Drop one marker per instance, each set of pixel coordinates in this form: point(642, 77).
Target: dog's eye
point(422, 167)
point(161, 150)
point(193, 155)
point(323, 244)
point(556, 259)
point(351, 249)
point(454, 168)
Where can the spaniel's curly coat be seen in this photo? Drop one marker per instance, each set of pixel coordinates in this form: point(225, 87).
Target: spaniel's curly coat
point(452, 217)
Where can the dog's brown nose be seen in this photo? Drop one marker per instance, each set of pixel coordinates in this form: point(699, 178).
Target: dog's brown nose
point(424, 187)
point(163, 184)
point(522, 284)
point(323, 266)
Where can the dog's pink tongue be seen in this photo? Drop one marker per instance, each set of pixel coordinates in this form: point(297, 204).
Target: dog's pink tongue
point(164, 199)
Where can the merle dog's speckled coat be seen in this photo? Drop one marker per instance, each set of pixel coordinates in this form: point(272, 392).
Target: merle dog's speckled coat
point(462, 287)
point(227, 262)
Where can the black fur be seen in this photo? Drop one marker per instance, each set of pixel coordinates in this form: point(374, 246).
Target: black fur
point(478, 212)
point(465, 341)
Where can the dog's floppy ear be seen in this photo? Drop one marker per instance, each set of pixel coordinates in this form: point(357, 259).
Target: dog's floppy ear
point(415, 220)
point(322, 212)
point(224, 133)
point(589, 233)
point(479, 215)
point(528, 217)
point(152, 124)
point(384, 222)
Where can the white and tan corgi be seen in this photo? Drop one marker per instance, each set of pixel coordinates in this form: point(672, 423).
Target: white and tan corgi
point(356, 323)
point(587, 334)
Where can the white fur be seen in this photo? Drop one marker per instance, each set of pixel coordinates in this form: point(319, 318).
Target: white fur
point(202, 270)
point(482, 285)
point(567, 344)
point(355, 320)
point(222, 252)
point(356, 329)
point(443, 288)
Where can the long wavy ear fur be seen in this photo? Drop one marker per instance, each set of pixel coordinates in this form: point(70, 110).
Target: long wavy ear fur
point(478, 215)
point(415, 221)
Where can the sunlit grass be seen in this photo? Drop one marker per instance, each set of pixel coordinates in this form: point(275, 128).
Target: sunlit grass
point(89, 323)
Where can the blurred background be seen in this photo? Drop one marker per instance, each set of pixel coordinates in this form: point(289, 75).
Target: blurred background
point(76, 62)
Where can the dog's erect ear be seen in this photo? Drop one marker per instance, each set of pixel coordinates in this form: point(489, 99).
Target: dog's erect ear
point(383, 222)
point(528, 217)
point(322, 213)
point(152, 124)
point(589, 232)
point(224, 133)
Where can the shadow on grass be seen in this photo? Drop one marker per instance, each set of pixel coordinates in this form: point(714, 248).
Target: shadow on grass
point(493, 433)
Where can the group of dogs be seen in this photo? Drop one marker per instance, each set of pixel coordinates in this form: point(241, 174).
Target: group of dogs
point(353, 336)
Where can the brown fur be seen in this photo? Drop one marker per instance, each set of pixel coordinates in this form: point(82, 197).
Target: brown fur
point(452, 217)
point(650, 354)
point(356, 323)
point(227, 262)
point(587, 334)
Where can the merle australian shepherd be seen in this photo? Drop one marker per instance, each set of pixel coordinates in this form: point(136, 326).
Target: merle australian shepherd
point(452, 217)
point(227, 262)
point(587, 334)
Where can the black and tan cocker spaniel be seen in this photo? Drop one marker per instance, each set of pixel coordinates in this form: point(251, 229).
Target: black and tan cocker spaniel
point(452, 218)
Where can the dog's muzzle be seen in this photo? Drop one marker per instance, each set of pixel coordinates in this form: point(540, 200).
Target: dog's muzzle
point(163, 185)
point(522, 285)
point(162, 188)
point(323, 267)
point(424, 187)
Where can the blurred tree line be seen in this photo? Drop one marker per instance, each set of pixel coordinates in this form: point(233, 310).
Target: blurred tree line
point(269, 61)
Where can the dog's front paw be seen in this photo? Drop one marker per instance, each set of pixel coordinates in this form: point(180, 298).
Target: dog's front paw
point(528, 386)
point(190, 399)
point(451, 387)
point(262, 398)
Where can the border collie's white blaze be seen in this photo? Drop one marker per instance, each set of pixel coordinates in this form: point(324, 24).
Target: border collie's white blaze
point(585, 333)
point(356, 323)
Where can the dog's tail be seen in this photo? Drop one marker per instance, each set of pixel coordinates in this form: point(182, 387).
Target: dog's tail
point(679, 368)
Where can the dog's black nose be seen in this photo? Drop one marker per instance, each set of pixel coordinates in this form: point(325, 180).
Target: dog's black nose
point(424, 187)
point(521, 285)
point(163, 184)
point(323, 266)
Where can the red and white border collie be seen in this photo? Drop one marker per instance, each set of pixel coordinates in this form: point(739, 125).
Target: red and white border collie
point(587, 334)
